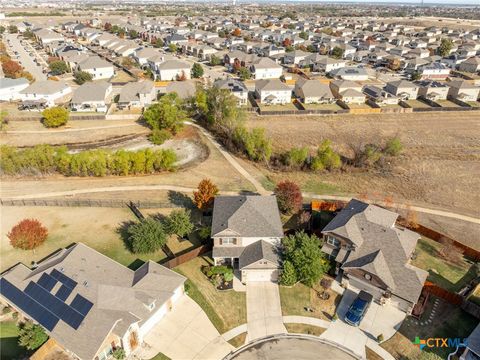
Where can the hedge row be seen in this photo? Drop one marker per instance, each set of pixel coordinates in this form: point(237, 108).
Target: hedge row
point(46, 159)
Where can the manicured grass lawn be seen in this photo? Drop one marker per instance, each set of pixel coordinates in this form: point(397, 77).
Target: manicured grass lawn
point(448, 275)
point(9, 348)
point(226, 309)
point(238, 340)
point(295, 299)
point(320, 187)
point(448, 321)
point(446, 103)
point(304, 329)
point(417, 104)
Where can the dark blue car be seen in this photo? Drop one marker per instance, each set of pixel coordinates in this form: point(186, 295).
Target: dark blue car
point(358, 309)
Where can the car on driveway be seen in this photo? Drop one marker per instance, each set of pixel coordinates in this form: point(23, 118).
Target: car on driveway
point(358, 309)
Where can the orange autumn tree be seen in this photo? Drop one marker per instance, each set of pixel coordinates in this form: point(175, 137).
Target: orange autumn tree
point(203, 197)
point(28, 234)
point(237, 32)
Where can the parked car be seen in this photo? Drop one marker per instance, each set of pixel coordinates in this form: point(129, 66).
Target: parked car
point(358, 309)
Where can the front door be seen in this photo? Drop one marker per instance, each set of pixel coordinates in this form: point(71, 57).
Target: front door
point(236, 263)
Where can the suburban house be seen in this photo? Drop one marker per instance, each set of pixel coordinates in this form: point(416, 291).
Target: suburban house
point(313, 92)
point(432, 90)
point(48, 91)
point(136, 95)
point(323, 63)
point(463, 90)
point(89, 304)
point(472, 349)
point(373, 254)
point(142, 55)
point(295, 57)
point(184, 89)
point(247, 231)
point(172, 70)
point(351, 73)
point(471, 65)
point(10, 88)
point(437, 71)
point(266, 68)
point(236, 87)
point(347, 91)
point(273, 91)
point(97, 67)
point(403, 89)
point(91, 97)
point(379, 96)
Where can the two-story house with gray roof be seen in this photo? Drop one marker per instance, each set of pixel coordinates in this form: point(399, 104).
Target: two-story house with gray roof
point(373, 254)
point(247, 231)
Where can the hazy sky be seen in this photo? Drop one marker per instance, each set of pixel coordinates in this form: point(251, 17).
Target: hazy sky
point(454, 2)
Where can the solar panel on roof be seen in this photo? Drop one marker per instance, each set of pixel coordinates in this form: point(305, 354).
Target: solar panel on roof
point(55, 305)
point(29, 306)
point(63, 292)
point(46, 281)
point(64, 279)
point(81, 304)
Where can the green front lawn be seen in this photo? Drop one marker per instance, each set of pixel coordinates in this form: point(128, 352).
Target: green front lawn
point(9, 348)
point(225, 309)
point(295, 299)
point(446, 274)
point(304, 329)
point(160, 356)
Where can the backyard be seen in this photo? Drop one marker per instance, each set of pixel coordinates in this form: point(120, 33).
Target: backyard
point(447, 273)
point(225, 309)
point(9, 348)
point(300, 299)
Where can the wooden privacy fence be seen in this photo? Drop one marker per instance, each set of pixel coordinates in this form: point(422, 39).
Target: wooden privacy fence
point(448, 296)
point(189, 255)
point(117, 203)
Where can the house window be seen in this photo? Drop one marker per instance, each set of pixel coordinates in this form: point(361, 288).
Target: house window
point(228, 241)
point(332, 241)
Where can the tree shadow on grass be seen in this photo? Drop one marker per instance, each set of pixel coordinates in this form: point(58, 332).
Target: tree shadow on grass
point(180, 199)
point(122, 230)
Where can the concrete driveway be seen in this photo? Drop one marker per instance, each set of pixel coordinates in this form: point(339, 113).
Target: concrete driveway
point(264, 312)
point(378, 320)
point(185, 333)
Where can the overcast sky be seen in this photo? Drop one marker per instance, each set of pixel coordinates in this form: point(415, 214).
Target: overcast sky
point(454, 2)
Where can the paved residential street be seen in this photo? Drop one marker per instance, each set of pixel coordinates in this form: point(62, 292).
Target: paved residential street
point(185, 333)
point(264, 312)
point(25, 58)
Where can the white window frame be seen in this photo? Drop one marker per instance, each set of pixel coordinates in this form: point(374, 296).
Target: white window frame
point(331, 240)
point(228, 241)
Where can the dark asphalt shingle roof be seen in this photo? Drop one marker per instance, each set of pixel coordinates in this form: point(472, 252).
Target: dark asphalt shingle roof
point(259, 250)
point(247, 216)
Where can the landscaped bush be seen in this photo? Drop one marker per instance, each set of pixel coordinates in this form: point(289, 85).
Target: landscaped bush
point(46, 159)
point(159, 136)
point(204, 233)
point(296, 157)
point(28, 234)
point(55, 117)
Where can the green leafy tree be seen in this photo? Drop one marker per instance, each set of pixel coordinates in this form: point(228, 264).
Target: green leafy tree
point(303, 251)
point(326, 157)
point(133, 34)
point(119, 354)
point(146, 236)
point(2, 29)
point(311, 48)
point(337, 52)
point(173, 48)
point(55, 117)
point(393, 147)
point(179, 223)
point(445, 47)
point(254, 143)
point(167, 114)
point(416, 75)
point(197, 71)
point(158, 43)
point(31, 336)
point(244, 73)
point(289, 275)
point(12, 29)
point(82, 77)
point(296, 157)
point(159, 136)
point(215, 60)
point(303, 35)
point(58, 67)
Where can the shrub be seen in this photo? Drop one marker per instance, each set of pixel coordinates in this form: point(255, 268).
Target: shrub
point(393, 147)
point(119, 354)
point(28, 234)
point(327, 158)
point(58, 67)
point(6, 310)
point(204, 233)
point(289, 197)
point(197, 71)
point(228, 276)
point(146, 236)
point(31, 336)
point(55, 117)
point(296, 157)
point(179, 223)
point(15, 315)
point(380, 338)
point(244, 73)
point(159, 136)
point(254, 143)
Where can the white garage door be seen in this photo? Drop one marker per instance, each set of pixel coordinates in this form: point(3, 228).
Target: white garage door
point(154, 319)
point(262, 275)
